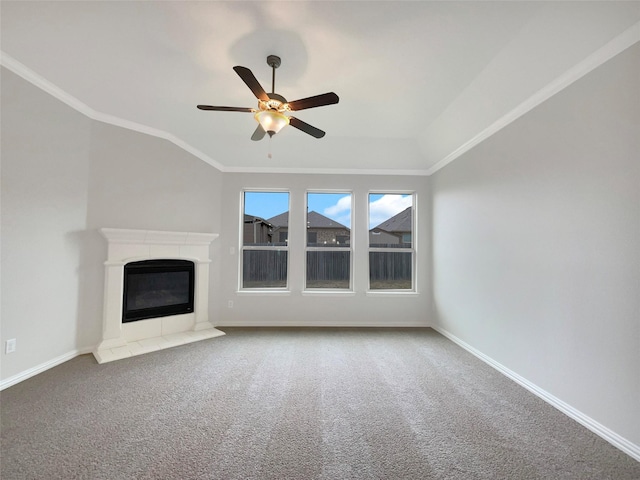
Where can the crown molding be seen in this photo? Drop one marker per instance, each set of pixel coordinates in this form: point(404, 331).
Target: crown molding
point(32, 77)
point(620, 43)
point(326, 171)
point(29, 75)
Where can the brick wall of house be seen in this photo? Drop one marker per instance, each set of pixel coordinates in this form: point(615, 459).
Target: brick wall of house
point(329, 235)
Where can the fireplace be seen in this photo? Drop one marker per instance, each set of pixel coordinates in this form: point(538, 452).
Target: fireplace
point(156, 292)
point(157, 288)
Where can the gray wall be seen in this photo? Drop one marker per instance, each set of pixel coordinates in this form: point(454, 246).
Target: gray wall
point(45, 150)
point(536, 246)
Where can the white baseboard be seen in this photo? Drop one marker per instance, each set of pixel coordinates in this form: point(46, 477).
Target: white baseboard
point(322, 323)
point(610, 436)
point(42, 367)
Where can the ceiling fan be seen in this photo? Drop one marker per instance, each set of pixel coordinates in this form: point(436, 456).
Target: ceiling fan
point(272, 107)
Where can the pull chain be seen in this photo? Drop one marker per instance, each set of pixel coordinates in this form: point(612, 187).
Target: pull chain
point(269, 154)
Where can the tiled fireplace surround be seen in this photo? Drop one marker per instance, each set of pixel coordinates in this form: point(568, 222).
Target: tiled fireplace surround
point(121, 340)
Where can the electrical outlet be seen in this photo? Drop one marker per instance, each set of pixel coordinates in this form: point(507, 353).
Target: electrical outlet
point(10, 345)
point(230, 304)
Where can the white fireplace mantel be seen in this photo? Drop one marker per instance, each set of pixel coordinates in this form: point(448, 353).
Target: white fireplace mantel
point(120, 340)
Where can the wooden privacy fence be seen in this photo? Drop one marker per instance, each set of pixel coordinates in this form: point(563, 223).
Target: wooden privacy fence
point(390, 266)
point(264, 268)
point(269, 267)
point(323, 265)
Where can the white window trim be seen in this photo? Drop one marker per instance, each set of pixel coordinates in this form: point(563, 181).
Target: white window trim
point(328, 291)
point(241, 247)
point(413, 249)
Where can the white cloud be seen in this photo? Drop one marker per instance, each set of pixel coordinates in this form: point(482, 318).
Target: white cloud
point(386, 207)
point(341, 211)
point(343, 205)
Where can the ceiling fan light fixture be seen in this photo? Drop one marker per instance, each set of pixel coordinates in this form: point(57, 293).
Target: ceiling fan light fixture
point(272, 121)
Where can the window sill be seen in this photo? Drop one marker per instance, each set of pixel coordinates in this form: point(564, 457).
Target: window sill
point(390, 293)
point(281, 293)
point(329, 293)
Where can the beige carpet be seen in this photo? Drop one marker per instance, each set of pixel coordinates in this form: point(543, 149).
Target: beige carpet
point(295, 404)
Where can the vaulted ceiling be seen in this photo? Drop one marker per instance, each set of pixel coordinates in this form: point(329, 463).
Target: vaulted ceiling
point(419, 82)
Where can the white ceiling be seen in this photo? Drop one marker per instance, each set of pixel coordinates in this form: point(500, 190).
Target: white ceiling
point(419, 82)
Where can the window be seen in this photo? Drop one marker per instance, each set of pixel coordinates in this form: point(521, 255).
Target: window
point(265, 249)
point(391, 241)
point(328, 249)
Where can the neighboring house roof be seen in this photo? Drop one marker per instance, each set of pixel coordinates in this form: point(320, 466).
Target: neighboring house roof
point(281, 220)
point(400, 222)
point(253, 219)
point(314, 220)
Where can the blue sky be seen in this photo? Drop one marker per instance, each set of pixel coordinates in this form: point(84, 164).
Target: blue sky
point(265, 204)
point(336, 206)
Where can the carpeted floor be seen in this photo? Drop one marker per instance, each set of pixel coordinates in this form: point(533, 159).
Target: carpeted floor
point(295, 404)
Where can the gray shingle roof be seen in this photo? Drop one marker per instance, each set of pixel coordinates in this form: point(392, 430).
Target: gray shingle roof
point(314, 219)
point(281, 220)
point(400, 222)
point(253, 218)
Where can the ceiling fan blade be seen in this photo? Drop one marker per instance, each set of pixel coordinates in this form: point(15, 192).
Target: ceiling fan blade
point(316, 101)
point(226, 109)
point(258, 134)
point(247, 77)
point(306, 128)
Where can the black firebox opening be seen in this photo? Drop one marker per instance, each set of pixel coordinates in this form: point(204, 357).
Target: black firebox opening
point(157, 288)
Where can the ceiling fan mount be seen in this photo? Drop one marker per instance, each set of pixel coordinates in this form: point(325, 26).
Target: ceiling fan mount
point(272, 107)
point(273, 61)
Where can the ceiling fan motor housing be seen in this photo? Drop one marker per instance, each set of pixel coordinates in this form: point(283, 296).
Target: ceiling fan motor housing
point(276, 102)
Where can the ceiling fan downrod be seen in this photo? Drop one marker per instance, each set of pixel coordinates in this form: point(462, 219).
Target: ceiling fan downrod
point(274, 62)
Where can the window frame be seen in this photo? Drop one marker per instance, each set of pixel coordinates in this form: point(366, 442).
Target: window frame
point(349, 248)
point(413, 249)
point(242, 247)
